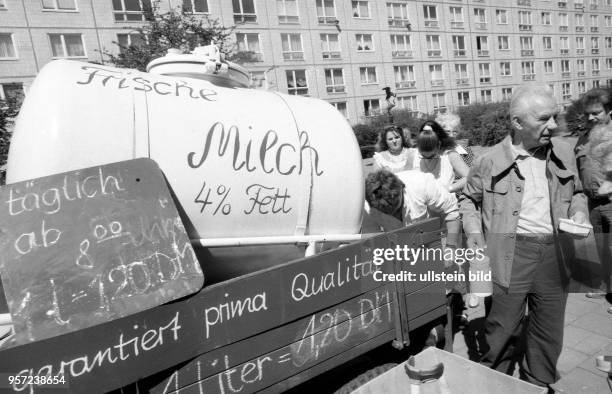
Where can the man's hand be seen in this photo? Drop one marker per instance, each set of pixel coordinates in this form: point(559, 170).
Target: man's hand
point(475, 241)
point(580, 218)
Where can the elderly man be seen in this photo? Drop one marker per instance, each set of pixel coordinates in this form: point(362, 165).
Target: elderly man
point(597, 110)
point(514, 197)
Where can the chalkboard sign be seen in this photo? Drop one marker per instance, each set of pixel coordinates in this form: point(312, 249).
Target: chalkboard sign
point(89, 246)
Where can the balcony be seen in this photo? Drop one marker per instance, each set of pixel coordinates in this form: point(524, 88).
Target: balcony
point(579, 6)
point(432, 24)
point(567, 97)
point(331, 55)
point(526, 52)
point(528, 77)
point(245, 18)
point(485, 80)
point(525, 27)
point(434, 53)
point(580, 51)
point(405, 85)
point(459, 52)
point(437, 82)
point(563, 28)
point(595, 51)
point(293, 55)
point(481, 25)
point(562, 4)
point(565, 74)
point(564, 51)
point(595, 73)
point(457, 25)
point(483, 52)
point(524, 3)
point(401, 54)
point(594, 29)
point(328, 20)
point(336, 89)
point(593, 6)
point(462, 81)
point(287, 19)
point(581, 73)
point(398, 22)
point(579, 28)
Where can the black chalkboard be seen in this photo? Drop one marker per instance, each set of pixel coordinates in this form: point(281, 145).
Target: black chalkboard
point(89, 246)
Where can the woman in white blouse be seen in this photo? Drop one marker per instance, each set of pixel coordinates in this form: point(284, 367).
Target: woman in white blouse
point(392, 150)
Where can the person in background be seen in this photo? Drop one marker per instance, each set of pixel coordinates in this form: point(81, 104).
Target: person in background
point(597, 110)
point(390, 100)
point(450, 123)
point(392, 150)
point(436, 154)
point(515, 196)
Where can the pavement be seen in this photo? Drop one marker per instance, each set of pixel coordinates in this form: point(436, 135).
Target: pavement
point(588, 333)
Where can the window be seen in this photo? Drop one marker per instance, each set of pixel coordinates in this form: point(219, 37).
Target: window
point(397, 14)
point(368, 75)
point(482, 45)
point(546, 20)
point(609, 63)
point(566, 91)
point(526, 46)
point(459, 46)
point(431, 15)
point(608, 21)
point(244, 11)
point(506, 94)
point(579, 45)
point(433, 46)
point(296, 82)
point(456, 17)
point(563, 22)
point(547, 43)
point(7, 46)
point(461, 74)
point(364, 42)
point(505, 69)
point(502, 43)
point(580, 67)
point(581, 87)
point(326, 12)
point(258, 80)
point(594, 45)
point(371, 107)
point(409, 103)
point(595, 84)
point(528, 71)
point(484, 70)
point(67, 45)
point(58, 5)
point(287, 11)
point(593, 5)
point(524, 20)
point(594, 23)
point(463, 98)
point(608, 42)
point(404, 77)
point(196, 6)
point(501, 16)
point(595, 66)
point(439, 102)
point(564, 45)
point(341, 107)
point(486, 96)
point(548, 66)
point(565, 67)
point(292, 46)
point(436, 75)
point(480, 18)
point(2, 7)
point(330, 46)
point(334, 80)
point(579, 22)
point(401, 46)
point(130, 10)
point(127, 40)
point(249, 42)
point(552, 88)
point(361, 9)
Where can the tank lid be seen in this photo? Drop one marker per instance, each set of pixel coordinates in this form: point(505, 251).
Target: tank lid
point(205, 62)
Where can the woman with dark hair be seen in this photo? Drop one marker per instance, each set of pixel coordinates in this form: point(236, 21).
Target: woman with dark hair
point(436, 153)
point(391, 150)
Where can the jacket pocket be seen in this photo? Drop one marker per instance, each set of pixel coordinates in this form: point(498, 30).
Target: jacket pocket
point(497, 196)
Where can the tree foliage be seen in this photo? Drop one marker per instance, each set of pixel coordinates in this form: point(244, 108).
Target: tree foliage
point(575, 122)
point(8, 111)
point(484, 124)
point(177, 28)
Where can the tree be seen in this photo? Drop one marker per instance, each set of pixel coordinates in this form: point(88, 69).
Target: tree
point(8, 111)
point(177, 28)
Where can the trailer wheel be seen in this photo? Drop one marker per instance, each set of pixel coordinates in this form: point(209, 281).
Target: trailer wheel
point(364, 378)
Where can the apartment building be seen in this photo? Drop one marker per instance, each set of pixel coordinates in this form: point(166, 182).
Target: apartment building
point(435, 55)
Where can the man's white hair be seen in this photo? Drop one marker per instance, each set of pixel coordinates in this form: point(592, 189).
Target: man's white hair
point(521, 96)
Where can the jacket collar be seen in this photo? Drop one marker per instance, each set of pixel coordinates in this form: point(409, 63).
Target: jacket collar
point(507, 157)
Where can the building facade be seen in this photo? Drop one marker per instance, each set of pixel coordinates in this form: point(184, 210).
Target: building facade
point(435, 55)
